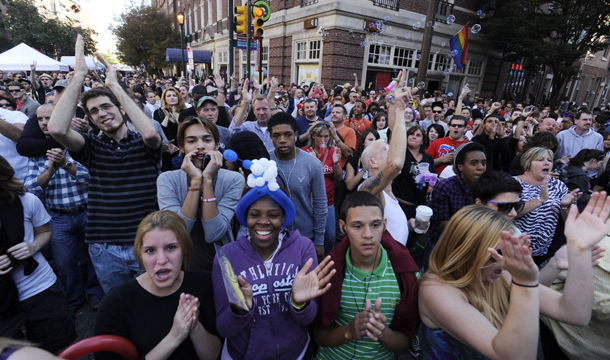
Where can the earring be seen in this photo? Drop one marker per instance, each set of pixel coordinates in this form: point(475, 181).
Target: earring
point(248, 236)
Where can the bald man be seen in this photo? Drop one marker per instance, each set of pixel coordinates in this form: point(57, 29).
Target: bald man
point(547, 125)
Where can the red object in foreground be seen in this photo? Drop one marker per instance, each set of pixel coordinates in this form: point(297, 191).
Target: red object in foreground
point(111, 343)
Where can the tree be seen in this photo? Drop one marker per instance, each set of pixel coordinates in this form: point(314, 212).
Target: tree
point(557, 34)
point(143, 33)
point(51, 36)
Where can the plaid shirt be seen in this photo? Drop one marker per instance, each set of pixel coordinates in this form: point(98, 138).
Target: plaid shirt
point(64, 190)
point(448, 197)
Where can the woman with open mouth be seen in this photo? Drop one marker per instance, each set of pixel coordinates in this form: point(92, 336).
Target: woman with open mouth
point(167, 312)
point(547, 199)
point(279, 277)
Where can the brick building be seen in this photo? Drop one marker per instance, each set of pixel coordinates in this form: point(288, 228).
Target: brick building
point(331, 52)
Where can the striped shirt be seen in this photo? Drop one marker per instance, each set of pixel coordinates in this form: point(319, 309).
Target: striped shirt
point(64, 191)
point(122, 185)
point(358, 286)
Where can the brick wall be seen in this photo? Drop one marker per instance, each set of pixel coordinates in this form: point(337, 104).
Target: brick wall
point(342, 57)
point(280, 58)
point(283, 4)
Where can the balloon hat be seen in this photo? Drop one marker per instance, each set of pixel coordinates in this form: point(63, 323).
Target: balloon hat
point(263, 182)
point(232, 156)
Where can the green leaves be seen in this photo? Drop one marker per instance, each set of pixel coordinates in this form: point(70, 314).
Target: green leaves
point(24, 23)
point(143, 33)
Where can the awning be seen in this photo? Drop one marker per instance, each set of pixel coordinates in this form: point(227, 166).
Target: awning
point(70, 60)
point(199, 56)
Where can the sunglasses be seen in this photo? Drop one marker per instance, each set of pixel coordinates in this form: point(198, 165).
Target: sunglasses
point(437, 112)
point(457, 125)
point(505, 208)
point(5, 105)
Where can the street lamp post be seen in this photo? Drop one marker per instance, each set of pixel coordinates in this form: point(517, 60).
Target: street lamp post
point(180, 17)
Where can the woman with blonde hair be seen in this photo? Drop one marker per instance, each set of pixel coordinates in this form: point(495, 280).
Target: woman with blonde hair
point(172, 104)
point(321, 146)
point(167, 312)
point(478, 265)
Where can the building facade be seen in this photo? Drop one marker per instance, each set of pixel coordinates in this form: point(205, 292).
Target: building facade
point(329, 40)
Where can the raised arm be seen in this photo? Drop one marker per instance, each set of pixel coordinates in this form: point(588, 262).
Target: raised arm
point(398, 146)
point(458, 106)
point(246, 98)
point(136, 115)
point(61, 117)
point(35, 84)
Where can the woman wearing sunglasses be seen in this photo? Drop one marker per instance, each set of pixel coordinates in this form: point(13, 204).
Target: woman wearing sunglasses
point(478, 265)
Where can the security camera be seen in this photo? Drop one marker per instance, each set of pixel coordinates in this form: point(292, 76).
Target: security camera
point(321, 30)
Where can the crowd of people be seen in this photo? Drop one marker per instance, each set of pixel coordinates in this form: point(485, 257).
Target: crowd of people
point(119, 189)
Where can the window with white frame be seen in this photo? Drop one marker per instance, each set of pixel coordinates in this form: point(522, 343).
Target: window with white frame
point(265, 54)
point(475, 67)
point(223, 57)
point(253, 56)
point(308, 50)
point(379, 54)
point(403, 57)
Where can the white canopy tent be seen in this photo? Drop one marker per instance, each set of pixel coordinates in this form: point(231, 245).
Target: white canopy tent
point(89, 60)
point(21, 57)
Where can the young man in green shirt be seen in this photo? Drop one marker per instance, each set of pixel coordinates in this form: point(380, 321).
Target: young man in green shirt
point(374, 272)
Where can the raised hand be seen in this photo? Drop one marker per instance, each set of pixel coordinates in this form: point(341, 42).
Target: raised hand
point(571, 197)
point(189, 168)
point(402, 95)
point(357, 329)
point(246, 93)
point(516, 259)
point(33, 67)
point(308, 286)
point(465, 91)
point(220, 83)
point(544, 190)
point(587, 228)
point(376, 324)
point(57, 158)
point(80, 67)
point(110, 70)
point(216, 162)
point(80, 125)
point(246, 289)
point(336, 155)
point(183, 319)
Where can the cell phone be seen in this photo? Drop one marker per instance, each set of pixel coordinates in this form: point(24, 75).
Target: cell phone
point(205, 162)
point(528, 108)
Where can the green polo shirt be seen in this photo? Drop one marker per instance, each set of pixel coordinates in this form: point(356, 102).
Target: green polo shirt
point(359, 286)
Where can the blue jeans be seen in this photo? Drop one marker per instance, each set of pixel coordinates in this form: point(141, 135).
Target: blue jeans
point(329, 234)
point(68, 235)
point(114, 264)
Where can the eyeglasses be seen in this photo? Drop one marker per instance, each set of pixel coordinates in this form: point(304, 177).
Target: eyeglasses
point(457, 125)
point(104, 107)
point(5, 105)
point(505, 208)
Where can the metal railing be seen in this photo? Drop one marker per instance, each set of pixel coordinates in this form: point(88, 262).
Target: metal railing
point(443, 9)
point(388, 4)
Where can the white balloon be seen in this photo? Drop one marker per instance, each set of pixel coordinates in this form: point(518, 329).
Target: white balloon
point(250, 181)
point(268, 176)
point(259, 181)
point(264, 162)
point(273, 186)
point(257, 169)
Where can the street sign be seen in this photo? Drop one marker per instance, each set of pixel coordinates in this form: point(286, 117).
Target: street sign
point(189, 50)
point(241, 41)
point(310, 23)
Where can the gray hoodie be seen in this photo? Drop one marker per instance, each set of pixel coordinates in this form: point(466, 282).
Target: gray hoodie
point(570, 143)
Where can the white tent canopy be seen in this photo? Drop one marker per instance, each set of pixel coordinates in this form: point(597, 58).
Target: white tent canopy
point(21, 57)
point(71, 61)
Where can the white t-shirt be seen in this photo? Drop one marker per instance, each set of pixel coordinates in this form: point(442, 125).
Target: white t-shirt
point(8, 148)
point(397, 224)
point(34, 215)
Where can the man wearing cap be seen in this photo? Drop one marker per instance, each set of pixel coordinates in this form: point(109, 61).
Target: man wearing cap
point(24, 103)
point(47, 84)
point(27, 86)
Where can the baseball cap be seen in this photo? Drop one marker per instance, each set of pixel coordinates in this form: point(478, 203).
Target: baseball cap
point(204, 99)
point(61, 84)
point(25, 79)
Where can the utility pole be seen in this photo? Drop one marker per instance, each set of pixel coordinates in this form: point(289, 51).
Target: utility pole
point(231, 43)
point(422, 70)
point(248, 38)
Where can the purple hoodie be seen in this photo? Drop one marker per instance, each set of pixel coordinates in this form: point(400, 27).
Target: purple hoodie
point(273, 329)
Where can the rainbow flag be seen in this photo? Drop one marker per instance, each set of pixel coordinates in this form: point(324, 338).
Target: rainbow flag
point(459, 47)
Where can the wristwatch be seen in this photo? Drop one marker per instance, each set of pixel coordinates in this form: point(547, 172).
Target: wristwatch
point(67, 166)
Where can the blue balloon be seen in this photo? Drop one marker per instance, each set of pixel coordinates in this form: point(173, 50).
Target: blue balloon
point(230, 155)
point(247, 164)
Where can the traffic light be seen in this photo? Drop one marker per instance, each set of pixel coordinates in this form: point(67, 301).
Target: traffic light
point(241, 20)
point(258, 13)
